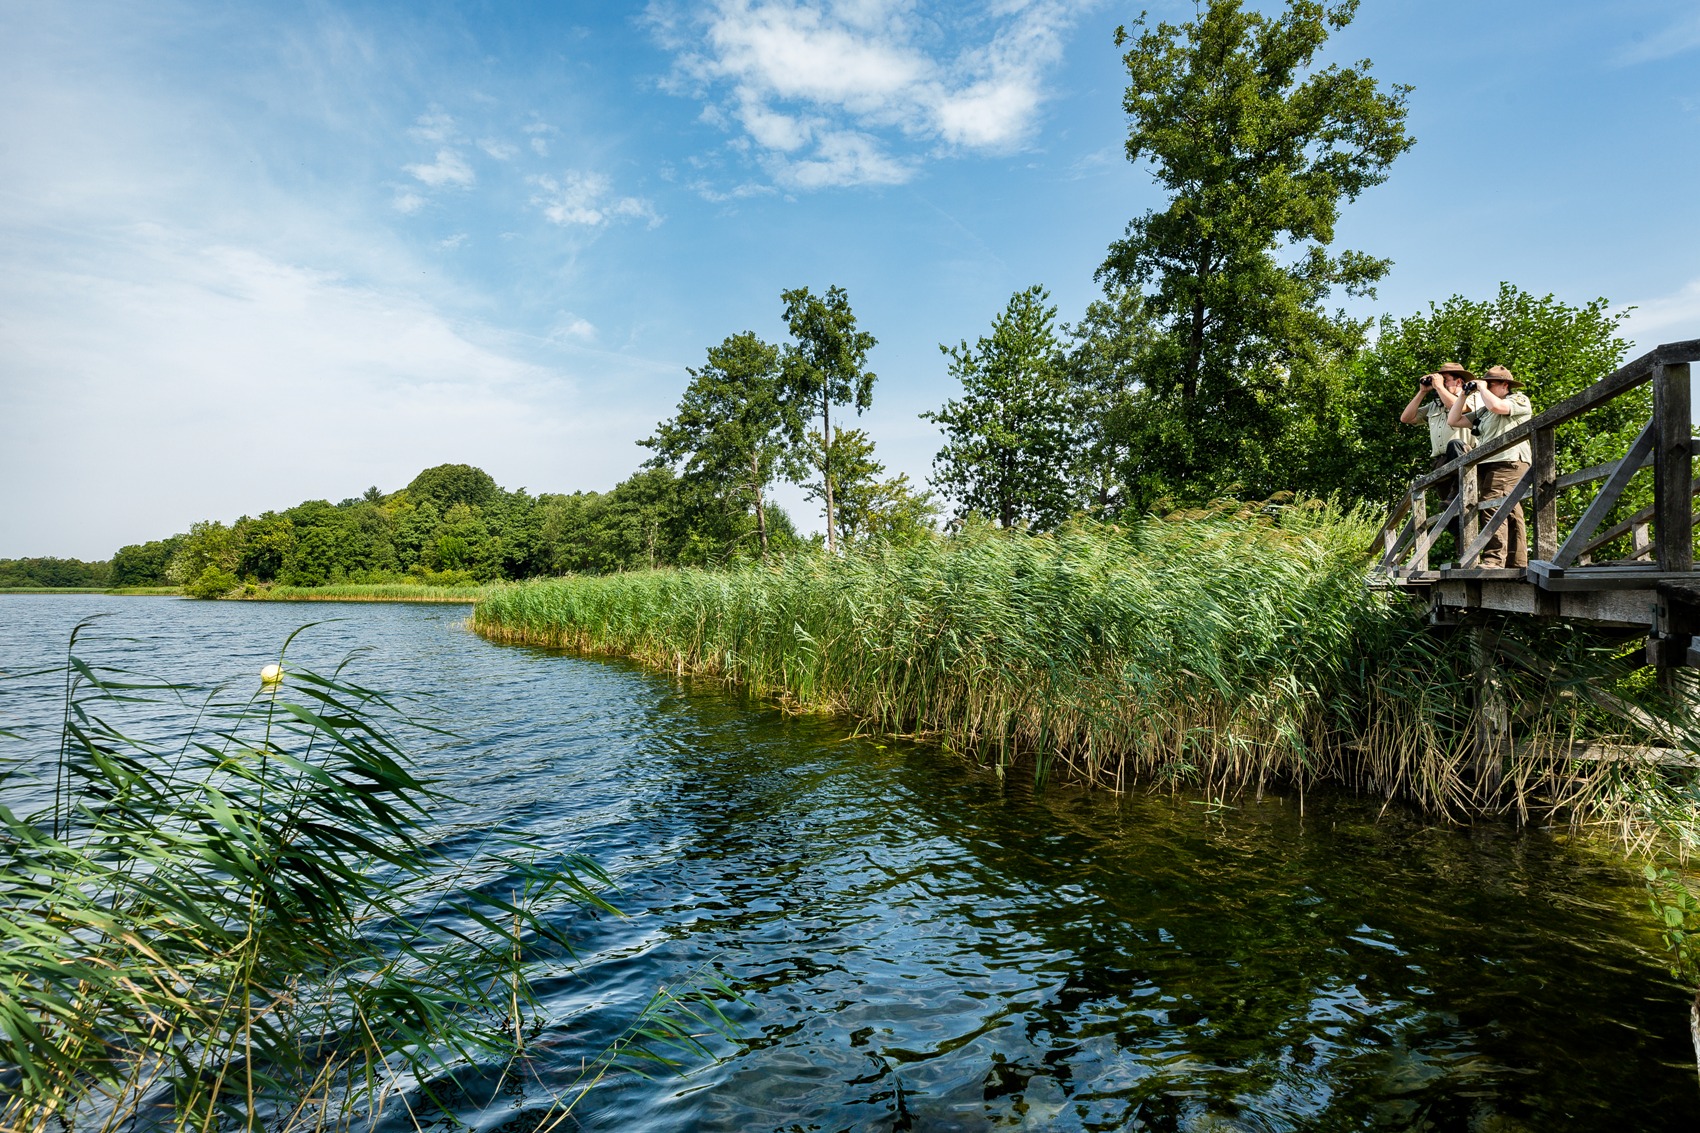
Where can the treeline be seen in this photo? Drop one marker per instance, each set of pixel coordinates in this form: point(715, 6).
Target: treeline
point(37, 574)
point(452, 524)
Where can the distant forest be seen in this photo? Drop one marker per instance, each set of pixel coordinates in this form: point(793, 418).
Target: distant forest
point(451, 524)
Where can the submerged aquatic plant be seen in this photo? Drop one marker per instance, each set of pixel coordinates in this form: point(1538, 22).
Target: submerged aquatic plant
point(1228, 648)
point(251, 926)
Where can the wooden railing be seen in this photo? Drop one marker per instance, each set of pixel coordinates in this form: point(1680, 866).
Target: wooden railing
point(1661, 535)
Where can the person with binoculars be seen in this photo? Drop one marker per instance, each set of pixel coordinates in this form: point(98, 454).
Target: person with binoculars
point(1503, 407)
point(1447, 442)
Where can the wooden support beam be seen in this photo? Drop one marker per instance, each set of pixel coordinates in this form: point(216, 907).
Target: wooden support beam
point(1419, 521)
point(1543, 531)
point(1469, 492)
point(1426, 540)
point(1389, 529)
point(1608, 495)
point(1501, 513)
point(1673, 484)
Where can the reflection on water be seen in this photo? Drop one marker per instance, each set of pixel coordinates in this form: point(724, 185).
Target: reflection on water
point(920, 946)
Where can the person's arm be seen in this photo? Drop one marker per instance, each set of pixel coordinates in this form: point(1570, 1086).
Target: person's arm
point(1447, 397)
point(1458, 416)
point(1499, 405)
point(1413, 410)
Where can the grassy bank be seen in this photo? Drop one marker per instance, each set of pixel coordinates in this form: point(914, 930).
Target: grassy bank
point(1229, 650)
point(365, 592)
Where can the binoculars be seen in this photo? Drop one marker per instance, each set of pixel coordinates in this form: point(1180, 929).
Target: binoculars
point(1470, 387)
point(1426, 380)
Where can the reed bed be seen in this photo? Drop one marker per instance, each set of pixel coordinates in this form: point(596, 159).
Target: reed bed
point(367, 592)
point(1226, 649)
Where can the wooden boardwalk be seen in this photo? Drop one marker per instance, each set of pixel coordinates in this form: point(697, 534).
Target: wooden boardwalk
point(1599, 560)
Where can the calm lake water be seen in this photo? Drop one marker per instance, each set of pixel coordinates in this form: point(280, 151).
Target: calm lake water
point(920, 946)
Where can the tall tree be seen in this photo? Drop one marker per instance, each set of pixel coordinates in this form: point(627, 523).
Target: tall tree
point(825, 365)
point(734, 427)
point(869, 505)
point(1257, 149)
point(1010, 448)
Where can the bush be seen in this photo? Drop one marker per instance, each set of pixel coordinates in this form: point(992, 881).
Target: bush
point(213, 582)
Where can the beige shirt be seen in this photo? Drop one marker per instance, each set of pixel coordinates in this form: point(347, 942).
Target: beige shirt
point(1490, 425)
point(1440, 434)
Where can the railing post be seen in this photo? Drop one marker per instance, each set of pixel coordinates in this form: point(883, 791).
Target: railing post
point(1419, 520)
point(1469, 519)
point(1673, 522)
point(1390, 537)
point(1673, 469)
point(1545, 492)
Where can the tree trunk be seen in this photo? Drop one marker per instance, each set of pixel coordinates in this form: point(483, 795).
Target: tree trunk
point(1194, 353)
point(761, 511)
point(1493, 715)
point(826, 469)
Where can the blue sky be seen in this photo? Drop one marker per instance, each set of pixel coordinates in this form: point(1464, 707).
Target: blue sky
point(257, 253)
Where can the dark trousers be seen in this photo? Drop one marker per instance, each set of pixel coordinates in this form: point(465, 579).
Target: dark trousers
point(1509, 546)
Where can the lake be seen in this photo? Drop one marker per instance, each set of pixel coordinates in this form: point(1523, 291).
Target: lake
point(920, 945)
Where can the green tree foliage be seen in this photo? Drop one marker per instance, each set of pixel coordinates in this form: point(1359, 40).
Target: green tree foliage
point(870, 507)
point(449, 484)
point(49, 572)
point(734, 430)
point(826, 365)
point(1103, 366)
point(209, 546)
point(654, 518)
point(145, 564)
point(1010, 441)
point(1257, 149)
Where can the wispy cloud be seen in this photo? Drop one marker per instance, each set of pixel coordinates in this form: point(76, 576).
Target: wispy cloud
point(1666, 318)
point(587, 199)
point(407, 202)
point(856, 92)
point(450, 168)
point(99, 366)
point(433, 126)
point(500, 150)
point(1680, 37)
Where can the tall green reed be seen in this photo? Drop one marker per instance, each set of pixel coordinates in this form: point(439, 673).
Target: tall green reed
point(252, 927)
point(1226, 648)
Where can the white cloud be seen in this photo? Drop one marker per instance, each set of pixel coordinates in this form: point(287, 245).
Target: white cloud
point(1677, 39)
point(433, 126)
point(407, 202)
point(449, 169)
point(501, 151)
point(587, 199)
point(857, 79)
point(842, 159)
point(454, 241)
point(571, 328)
point(1666, 318)
point(539, 140)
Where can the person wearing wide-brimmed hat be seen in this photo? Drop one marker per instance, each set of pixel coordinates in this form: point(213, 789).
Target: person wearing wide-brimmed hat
point(1503, 407)
point(1446, 442)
